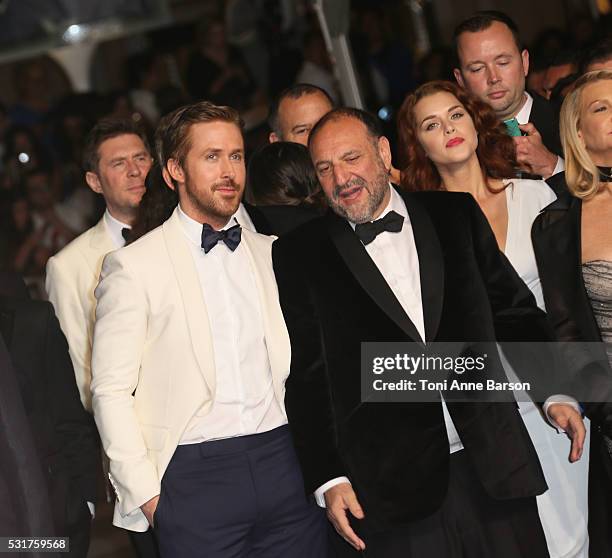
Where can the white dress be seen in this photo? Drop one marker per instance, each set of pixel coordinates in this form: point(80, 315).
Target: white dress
point(563, 507)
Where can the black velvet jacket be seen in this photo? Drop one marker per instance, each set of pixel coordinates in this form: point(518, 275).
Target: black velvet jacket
point(334, 297)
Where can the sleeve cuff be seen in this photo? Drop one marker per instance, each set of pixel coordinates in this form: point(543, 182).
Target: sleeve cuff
point(319, 493)
point(564, 399)
point(559, 167)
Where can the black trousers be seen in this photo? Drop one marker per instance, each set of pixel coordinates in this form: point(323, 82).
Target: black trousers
point(469, 524)
point(144, 544)
point(238, 497)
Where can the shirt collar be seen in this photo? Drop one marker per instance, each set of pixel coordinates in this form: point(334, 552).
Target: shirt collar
point(522, 116)
point(193, 229)
point(396, 203)
point(243, 219)
point(115, 228)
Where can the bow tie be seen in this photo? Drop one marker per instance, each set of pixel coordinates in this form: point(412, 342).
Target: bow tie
point(391, 222)
point(125, 232)
point(211, 237)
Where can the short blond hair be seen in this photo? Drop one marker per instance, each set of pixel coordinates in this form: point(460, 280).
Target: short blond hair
point(581, 173)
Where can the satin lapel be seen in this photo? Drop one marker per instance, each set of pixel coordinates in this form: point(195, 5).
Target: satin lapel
point(193, 300)
point(431, 264)
point(367, 274)
point(275, 330)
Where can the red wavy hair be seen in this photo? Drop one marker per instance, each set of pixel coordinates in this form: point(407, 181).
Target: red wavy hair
point(495, 150)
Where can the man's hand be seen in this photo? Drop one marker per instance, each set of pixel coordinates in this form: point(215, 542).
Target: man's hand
point(569, 420)
point(338, 499)
point(148, 508)
point(532, 154)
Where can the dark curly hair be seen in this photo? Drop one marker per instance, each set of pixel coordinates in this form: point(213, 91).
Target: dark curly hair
point(495, 151)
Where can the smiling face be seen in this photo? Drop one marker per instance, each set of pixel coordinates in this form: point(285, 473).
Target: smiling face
point(353, 168)
point(595, 128)
point(445, 130)
point(493, 68)
point(123, 165)
point(211, 179)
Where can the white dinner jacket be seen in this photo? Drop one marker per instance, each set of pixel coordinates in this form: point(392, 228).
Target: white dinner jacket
point(72, 276)
point(153, 362)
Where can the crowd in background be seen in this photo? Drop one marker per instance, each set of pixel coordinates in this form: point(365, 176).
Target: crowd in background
point(243, 60)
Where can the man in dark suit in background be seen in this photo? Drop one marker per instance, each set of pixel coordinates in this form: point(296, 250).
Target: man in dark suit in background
point(429, 269)
point(63, 432)
point(493, 66)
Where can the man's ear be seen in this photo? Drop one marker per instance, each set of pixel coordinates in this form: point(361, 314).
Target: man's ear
point(384, 150)
point(273, 138)
point(173, 171)
point(93, 182)
point(459, 77)
point(168, 179)
point(525, 60)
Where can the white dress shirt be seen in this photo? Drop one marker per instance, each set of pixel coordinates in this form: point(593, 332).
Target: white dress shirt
point(244, 401)
point(396, 257)
point(522, 117)
point(115, 229)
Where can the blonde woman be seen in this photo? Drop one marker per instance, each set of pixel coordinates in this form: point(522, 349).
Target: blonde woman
point(572, 240)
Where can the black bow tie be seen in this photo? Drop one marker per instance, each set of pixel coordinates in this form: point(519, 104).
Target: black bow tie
point(391, 222)
point(125, 232)
point(605, 174)
point(211, 237)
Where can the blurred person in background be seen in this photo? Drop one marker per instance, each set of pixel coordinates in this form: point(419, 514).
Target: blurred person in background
point(283, 185)
point(388, 61)
point(23, 152)
point(493, 65)
point(295, 112)
point(317, 68)
point(216, 71)
point(64, 435)
point(562, 65)
point(455, 142)
point(435, 64)
point(599, 57)
point(58, 224)
point(572, 239)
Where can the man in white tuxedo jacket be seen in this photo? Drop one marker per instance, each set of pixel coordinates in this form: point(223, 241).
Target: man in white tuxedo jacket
point(190, 358)
point(116, 160)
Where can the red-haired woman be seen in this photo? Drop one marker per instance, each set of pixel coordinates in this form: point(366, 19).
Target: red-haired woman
point(455, 142)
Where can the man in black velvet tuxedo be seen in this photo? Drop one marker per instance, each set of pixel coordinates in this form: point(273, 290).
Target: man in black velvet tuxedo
point(64, 434)
point(492, 65)
point(440, 479)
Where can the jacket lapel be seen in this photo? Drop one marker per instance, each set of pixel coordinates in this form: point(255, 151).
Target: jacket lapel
point(275, 330)
point(193, 300)
point(355, 256)
point(431, 264)
point(100, 244)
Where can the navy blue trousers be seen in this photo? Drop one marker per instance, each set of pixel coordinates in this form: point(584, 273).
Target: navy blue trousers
point(238, 497)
